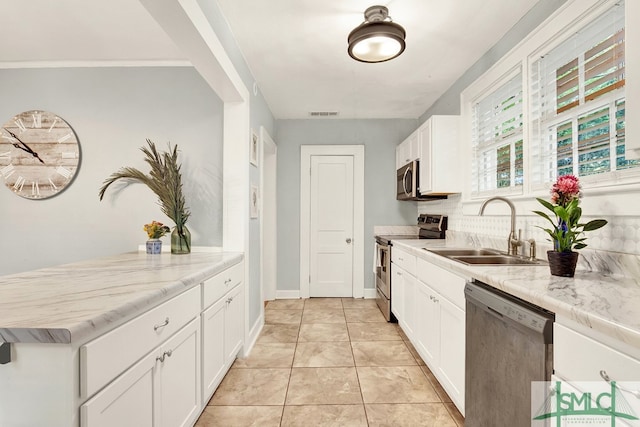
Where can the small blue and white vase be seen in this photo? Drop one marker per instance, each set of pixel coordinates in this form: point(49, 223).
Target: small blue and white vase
point(154, 246)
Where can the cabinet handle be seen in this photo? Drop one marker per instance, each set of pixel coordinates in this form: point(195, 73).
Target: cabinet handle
point(401, 259)
point(608, 379)
point(398, 273)
point(161, 325)
point(229, 300)
point(165, 354)
point(226, 282)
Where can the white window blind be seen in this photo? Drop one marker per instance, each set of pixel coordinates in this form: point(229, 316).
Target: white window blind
point(577, 104)
point(497, 139)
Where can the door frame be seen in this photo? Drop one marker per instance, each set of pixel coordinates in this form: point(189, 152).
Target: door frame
point(357, 151)
point(268, 216)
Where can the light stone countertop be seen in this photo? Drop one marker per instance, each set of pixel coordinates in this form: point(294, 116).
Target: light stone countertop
point(609, 305)
point(73, 303)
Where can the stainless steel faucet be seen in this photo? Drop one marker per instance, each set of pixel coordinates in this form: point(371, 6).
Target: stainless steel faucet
point(513, 242)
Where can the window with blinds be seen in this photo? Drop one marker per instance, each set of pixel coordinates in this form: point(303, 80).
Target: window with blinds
point(577, 103)
point(498, 139)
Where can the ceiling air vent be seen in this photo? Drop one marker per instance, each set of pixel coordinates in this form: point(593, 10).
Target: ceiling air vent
point(323, 113)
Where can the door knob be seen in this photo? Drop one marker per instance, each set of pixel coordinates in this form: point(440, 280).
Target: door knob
point(348, 239)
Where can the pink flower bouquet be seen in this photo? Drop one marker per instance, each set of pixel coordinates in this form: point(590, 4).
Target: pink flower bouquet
point(567, 230)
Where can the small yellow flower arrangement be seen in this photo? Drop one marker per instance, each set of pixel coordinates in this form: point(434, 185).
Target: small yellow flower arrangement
point(156, 229)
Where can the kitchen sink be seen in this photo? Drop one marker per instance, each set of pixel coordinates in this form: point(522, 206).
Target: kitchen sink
point(464, 252)
point(495, 260)
point(482, 256)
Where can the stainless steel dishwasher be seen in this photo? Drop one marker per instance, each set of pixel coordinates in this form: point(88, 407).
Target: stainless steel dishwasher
point(509, 343)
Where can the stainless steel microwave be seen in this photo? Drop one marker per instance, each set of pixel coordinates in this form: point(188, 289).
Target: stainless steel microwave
point(407, 181)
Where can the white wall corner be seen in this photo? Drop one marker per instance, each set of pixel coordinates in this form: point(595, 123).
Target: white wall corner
point(253, 335)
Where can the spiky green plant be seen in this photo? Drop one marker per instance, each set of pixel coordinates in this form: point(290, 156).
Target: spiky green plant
point(164, 180)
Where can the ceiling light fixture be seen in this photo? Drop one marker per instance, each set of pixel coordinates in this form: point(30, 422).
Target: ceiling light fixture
point(377, 39)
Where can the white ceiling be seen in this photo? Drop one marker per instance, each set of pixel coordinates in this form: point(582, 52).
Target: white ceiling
point(296, 49)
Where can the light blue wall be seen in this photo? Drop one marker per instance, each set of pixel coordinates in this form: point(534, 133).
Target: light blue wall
point(113, 111)
point(260, 115)
point(380, 138)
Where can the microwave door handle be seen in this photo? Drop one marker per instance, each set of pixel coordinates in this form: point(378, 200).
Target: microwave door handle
point(404, 182)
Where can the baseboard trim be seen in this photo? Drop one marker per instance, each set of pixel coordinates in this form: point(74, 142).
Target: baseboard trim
point(284, 294)
point(369, 293)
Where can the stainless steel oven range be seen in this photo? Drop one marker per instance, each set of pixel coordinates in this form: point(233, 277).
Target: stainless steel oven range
point(429, 227)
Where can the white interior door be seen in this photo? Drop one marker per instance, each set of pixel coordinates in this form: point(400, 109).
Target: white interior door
point(331, 227)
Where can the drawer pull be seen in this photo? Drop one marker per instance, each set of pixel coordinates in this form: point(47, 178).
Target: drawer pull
point(608, 379)
point(400, 258)
point(161, 325)
point(226, 282)
point(165, 354)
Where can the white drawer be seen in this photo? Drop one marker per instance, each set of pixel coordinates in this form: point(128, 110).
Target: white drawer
point(404, 260)
point(215, 287)
point(580, 358)
point(104, 358)
point(449, 285)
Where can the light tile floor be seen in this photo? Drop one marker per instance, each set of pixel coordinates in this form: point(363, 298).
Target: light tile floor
point(330, 362)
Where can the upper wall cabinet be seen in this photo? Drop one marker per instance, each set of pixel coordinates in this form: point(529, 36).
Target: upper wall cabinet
point(440, 156)
point(436, 145)
point(408, 150)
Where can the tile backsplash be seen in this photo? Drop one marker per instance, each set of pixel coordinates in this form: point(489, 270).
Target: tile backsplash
point(613, 249)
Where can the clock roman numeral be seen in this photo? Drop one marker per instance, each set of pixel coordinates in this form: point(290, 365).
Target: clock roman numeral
point(64, 172)
point(5, 155)
point(69, 155)
point(18, 184)
point(35, 189)
point(64, 138)
point(53, 124)
point(20, 125)
point(53, 186)
point(7, 171)
point(37, 120)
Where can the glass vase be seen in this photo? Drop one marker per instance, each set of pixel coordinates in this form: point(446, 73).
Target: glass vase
point(180, 240)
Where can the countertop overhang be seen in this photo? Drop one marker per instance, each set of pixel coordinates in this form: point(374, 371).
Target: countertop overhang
point(609, 305)
point(72, 303)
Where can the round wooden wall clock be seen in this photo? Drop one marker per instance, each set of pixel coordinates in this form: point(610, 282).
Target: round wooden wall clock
point(39, 154)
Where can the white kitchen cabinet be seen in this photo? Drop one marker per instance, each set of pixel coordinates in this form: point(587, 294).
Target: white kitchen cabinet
point(397, 293)
point(162, 389)
point(408, 150)
point(451, 368)
point(403, 303)
point(439, 330)
point(179, 383)
point(222, 332)
point(214, 363)
point(440, 156)
point(234, 323)
point(569, 363)
point(427, 341)
point(403, 289)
